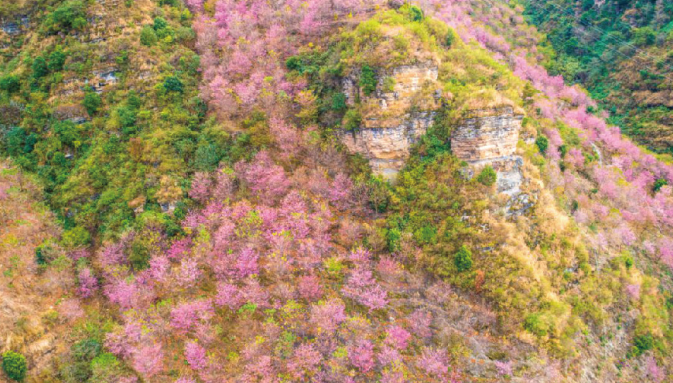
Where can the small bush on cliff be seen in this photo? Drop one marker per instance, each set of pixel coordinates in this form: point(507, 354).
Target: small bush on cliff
point(70, 15)
point(57, 59)
point(91, 102)
point(368, 80)
point(173, 84)
point(147, 36)
point(75, 237)
point(10, 83)
point(659, 183)
point(14, 365)
point(542, 143)
point(352, 120)
point(487, 176)
point(86, 350)
point(450, 39)
point(534, 324)
point(416, 13)
point(644, 36)
point(642, 343)
point(339, 102)
point(40, 68)
point(463, 259)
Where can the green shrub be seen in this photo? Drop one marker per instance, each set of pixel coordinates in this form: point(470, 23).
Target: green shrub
point(139, 256)
point(56, 60)
point(75, 237)
point(450, 39)
point(487, 176)
point(463, 259)
point(208, 155)
point(368, 80)
point(339, 102)
point(644, 36)
point(87, 349)
point(127, 116)
point(39, 67)
point(293, 63)
point(416, 13)
point(393, 237)
point(18, 142)
point(173, 84)
point(185, 34)
point(45, 254)
point(105, 360)
point(147, 36)
point(379, 194)
point(70, 15)
point(66, 131)
point(91, 102)
point(542, 144)
point(658, 184)
point(643, 343)
point(39, 256)
point(14, 365)
point(534, 324)
point(104, 367)
point(159, 23)
point(426, 235)
point(352, 120)
point(563, 149)
point(10, 83)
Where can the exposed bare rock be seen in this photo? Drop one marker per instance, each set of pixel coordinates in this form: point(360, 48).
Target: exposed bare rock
point(487, 135)
point(388, 148)
point(402, 109)
point(394, 116)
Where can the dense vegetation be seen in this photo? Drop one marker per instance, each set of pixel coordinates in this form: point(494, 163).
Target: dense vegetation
point(213, 226)
point(621, 51)
point(108, 144)
point(14, 365)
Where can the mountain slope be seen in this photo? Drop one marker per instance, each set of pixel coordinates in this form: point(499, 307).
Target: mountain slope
point(621, 52)
point(369, 191)
point(101, 101)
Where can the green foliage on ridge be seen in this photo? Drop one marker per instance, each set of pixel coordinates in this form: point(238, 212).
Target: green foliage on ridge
point(620, 51)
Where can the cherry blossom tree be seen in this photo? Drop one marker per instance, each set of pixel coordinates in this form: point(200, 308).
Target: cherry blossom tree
point(88, 284)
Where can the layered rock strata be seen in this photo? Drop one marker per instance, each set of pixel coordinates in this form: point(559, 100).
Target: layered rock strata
point(403, 107)
point(489, 137)
point(394, 116)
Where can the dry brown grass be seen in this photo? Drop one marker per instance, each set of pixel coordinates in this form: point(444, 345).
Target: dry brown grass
point(28, 295)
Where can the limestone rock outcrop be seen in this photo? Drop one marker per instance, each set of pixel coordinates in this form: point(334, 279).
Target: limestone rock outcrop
point(394, 116)
point(388, 148)
point(403, 107)
point(489, 137)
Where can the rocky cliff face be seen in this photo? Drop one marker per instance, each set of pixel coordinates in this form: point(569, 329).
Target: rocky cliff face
point(489, 137)
point(403, 107)
point(394, 116)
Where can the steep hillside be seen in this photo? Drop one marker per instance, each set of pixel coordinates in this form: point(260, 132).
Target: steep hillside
point(326, 191)
point(621, 51)
point(100, 100)
point(37, 304)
